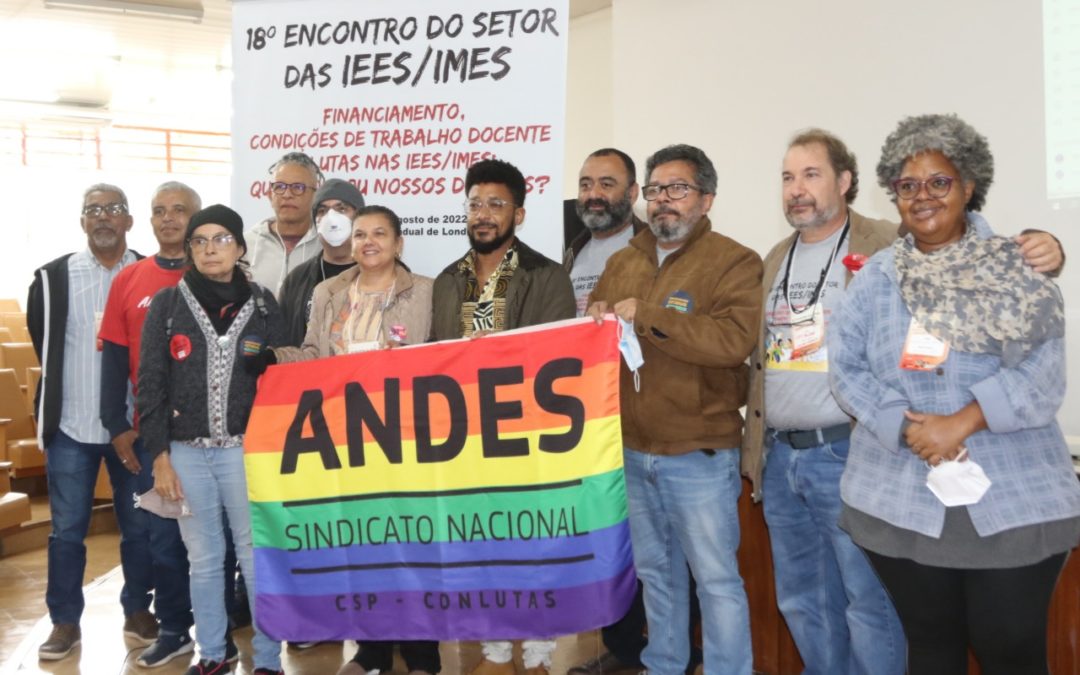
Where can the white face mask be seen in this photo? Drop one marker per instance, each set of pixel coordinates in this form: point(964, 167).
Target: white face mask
point(958, 483)
point(631, 350)
point(335, 227)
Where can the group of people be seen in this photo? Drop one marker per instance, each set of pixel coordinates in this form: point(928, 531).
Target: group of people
point(875, 369)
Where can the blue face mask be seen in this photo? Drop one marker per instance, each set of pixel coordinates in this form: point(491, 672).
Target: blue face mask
point(631, 350)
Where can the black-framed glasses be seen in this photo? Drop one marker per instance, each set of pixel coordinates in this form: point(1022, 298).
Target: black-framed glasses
point(494, 205)
point(279, 188)
point(936, 186)
point(220, 240)
point(673, 190)
point(114, 209)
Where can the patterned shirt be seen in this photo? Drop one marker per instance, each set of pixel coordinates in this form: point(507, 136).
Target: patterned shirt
point(88, 288)
point(484, 306)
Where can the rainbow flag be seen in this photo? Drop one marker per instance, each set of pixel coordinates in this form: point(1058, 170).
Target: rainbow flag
point(458, 490)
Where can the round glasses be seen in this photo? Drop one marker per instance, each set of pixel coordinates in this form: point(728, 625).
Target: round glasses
point(936, 186)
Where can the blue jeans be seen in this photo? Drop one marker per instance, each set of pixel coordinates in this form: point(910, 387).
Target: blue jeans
point(72, 470)
point(684, 510)
point(213, 481)
point(168, 559)
point(838, 612)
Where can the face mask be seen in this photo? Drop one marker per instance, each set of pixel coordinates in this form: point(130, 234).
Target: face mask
point(957, 483)
point(631, 350)
point(335, 227)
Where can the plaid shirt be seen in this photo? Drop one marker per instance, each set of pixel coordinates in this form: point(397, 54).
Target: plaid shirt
point(1023, 452)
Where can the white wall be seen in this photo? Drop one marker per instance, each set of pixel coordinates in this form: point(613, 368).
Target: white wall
point(589, 93)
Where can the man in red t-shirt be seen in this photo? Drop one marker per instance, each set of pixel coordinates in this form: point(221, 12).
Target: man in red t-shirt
point(120, 338)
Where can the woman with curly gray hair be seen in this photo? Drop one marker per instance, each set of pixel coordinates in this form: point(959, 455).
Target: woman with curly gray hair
point(949, 354)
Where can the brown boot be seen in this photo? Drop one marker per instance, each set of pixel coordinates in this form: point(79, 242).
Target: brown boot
point(487, 667)
point(63, 638)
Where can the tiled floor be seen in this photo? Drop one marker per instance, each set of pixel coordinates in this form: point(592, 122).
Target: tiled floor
point(24, 624)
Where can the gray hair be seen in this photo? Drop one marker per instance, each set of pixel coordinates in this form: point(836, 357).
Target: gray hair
point(300, 159)
point(105, 187)
point(966, 148)
point(704, 171)
point(177, 186)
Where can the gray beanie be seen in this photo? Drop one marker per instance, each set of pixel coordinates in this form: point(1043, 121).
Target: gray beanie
point(338, 189)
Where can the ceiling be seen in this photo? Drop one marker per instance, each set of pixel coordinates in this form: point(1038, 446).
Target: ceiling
point(92, 67)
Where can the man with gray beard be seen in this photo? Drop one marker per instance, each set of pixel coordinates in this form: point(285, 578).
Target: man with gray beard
point(693, 299)
point(607, 190)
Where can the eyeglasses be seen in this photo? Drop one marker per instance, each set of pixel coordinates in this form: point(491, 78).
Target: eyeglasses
point(220, 241)
point(279, 188)
point(114, 209)
point(673, 190)
point(936, 186)
point(493, 205)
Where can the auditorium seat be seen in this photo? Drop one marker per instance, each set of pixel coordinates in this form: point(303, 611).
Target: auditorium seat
point(9, 305)
point(33, 376)
point(18, 434)
point(14, 506)
point(6, 335)
point(18, 356)
point(16, 321)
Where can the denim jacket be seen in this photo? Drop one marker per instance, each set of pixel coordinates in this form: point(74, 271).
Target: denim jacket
point(1023, 451)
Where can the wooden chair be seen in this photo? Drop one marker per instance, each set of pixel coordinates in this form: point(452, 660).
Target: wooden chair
point(18, 433)
point(16, 321)
point(14, 506)
point(20, 356)
point(33, 376)
point(9, 305)
point(6, 335)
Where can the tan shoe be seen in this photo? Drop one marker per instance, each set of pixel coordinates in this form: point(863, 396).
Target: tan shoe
point(142, 627)
point(63, 638)
point(536, 670)
point(487, 667)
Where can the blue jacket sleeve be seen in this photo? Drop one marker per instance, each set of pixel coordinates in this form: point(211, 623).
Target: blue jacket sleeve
point(876, 406)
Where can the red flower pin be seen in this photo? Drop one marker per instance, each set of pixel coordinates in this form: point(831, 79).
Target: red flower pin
point(854, 261)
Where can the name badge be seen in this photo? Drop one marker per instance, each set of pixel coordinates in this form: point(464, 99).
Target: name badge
point(360, 347)
point(808, 336)
point(922, 351)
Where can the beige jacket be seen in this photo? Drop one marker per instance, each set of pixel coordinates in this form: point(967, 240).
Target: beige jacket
point(867, 237)
point(410, 307)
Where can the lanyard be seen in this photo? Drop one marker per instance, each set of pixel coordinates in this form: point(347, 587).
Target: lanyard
point(821, 280)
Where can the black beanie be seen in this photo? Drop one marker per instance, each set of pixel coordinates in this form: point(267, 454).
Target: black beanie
point(222, 215)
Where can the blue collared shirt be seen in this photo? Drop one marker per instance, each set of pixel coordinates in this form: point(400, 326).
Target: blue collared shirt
point(1023, 452)
point(88, 288)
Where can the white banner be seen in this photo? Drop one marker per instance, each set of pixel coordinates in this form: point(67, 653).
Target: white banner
point(400, 97)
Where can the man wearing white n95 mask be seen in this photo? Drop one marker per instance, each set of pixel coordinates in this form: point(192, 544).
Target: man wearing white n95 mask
point(333, 209)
